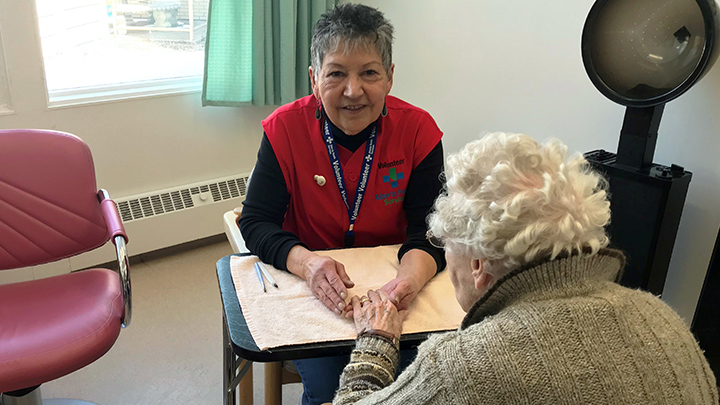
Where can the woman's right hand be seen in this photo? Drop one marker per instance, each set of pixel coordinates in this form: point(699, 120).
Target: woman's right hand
point(326, 278)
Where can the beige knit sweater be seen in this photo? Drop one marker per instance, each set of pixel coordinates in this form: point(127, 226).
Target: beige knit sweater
point(558, 332)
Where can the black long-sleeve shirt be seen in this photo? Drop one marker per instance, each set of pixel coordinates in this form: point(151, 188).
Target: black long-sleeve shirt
point(267, 200)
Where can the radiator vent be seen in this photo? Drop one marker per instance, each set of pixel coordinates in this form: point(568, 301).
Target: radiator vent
point(181, 198)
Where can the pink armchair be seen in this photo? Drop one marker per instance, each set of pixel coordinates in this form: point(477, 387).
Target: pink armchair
point(50, 209)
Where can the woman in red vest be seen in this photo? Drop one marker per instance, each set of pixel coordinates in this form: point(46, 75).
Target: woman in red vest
point(347, 166)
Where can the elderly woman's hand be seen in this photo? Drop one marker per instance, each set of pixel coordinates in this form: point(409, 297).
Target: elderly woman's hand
point(400, 291)
point(377, 312)
point(327, 280)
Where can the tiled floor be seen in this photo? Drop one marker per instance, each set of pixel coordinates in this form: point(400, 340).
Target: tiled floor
point(172, 351)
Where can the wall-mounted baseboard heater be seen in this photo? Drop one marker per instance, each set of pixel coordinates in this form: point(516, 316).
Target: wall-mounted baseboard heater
point(180, 198)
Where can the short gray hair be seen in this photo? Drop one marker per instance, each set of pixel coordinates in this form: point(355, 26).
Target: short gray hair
point(354, 25)
point(511, 200)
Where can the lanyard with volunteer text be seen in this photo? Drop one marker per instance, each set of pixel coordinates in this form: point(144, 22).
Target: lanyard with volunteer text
point(362, 183)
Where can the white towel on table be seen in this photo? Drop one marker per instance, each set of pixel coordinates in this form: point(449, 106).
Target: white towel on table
point(291, 315)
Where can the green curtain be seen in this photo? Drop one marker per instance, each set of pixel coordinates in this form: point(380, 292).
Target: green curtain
point(258, 51)
point(227, 79)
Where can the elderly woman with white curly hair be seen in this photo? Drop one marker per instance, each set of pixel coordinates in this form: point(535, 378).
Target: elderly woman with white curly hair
point(523, 230)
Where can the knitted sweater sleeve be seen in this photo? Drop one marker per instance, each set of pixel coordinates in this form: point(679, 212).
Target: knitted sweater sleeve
point(369, 377)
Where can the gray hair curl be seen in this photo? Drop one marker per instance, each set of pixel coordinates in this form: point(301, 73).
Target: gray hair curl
point(353, 25)
point(511, 200)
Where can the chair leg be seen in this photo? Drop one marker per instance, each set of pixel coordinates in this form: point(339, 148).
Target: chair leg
point(273, 383)
point(245, 388)
point(33, 397)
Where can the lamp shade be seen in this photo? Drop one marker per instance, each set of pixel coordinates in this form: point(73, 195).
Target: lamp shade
point(642, 53)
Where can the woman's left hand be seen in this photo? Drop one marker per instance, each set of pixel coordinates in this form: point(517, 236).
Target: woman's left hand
point(401, 291)
point(377, 312)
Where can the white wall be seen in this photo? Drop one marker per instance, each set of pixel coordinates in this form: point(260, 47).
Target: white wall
point(515, 66)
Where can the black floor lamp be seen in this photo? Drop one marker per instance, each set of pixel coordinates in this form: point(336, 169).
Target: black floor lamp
point(643, 54)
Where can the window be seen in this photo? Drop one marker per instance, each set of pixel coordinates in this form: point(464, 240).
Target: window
point(97, 50)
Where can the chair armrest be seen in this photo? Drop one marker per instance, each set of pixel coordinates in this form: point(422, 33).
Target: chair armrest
point(113, 222)
point(232, 231)
point(119, 239)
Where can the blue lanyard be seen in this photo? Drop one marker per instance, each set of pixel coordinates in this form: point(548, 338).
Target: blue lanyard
point(340, 179)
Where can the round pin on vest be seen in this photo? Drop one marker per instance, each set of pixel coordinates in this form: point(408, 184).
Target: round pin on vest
point(320, 180)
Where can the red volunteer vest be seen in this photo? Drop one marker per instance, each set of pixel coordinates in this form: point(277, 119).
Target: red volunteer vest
point(317, 214)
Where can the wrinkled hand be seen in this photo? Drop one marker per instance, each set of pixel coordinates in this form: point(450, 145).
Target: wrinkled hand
point(401, 292)
point(377, 312)
point(328, 281)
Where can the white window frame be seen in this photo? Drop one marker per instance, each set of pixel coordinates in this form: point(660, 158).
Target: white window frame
point(5, 100)
point(124, 91)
